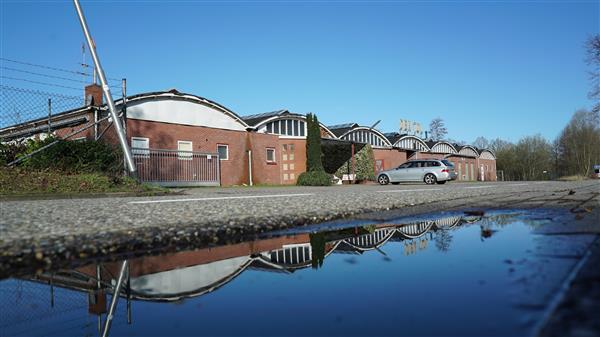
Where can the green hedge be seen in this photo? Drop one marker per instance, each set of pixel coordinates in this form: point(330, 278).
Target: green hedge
point(364, 164)
point(66, 156)
point(314, 178)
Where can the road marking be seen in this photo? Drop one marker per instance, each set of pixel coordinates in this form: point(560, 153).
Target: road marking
point(480, 187)
point(422, 189)
point(222, 198)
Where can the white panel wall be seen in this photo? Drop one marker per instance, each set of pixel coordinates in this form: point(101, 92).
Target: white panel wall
point(182, 112)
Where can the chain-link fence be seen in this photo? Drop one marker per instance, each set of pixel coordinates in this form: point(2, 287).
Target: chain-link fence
point(18, 105)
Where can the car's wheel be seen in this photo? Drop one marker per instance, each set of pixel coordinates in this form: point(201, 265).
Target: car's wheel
point(429, 179)
point(441, 182)
point(383, 179)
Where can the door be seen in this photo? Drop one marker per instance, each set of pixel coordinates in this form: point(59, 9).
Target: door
point(401, 172)
point(416, 171)
point(379, 164)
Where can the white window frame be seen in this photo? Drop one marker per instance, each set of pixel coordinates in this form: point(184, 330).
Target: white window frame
point(183, 154)
point(141, 153)
point(267, 155)
point(226, 151)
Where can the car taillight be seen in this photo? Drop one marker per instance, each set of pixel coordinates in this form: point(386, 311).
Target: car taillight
point(445, 171)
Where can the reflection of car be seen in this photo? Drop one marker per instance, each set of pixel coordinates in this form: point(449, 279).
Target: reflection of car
point(429, 171)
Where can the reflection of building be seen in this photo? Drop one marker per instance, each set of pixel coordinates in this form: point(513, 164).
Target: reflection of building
point(267, 148)
point(187, 274)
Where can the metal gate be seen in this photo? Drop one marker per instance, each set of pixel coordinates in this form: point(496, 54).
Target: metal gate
point(173, 168)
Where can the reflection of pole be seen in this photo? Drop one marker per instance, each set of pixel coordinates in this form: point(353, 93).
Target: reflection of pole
point(128, 296)
point(52, 290)
point(106, 90)
point(115, 298)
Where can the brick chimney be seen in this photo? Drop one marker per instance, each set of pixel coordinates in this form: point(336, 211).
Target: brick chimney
point(93, 95)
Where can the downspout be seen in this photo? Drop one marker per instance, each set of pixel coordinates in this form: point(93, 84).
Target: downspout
point(250, 168)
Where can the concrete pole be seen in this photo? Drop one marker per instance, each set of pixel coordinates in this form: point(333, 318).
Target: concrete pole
point(106, 90)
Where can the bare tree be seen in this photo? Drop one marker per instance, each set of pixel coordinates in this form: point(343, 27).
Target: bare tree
point(578, 145)
point(481, 143)
point(593, 60)
point(437, 129)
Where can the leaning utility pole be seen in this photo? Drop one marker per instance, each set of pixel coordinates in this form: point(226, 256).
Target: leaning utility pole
point(106, 90)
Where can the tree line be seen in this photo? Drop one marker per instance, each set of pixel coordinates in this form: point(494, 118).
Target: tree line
point(575, 150)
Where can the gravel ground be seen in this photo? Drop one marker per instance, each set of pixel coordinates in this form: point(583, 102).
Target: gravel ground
point(41, 233)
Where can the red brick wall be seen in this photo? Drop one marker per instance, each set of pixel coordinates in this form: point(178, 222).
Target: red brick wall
point(88, 134)
point(291, 168)
point(489, 167)
point(392, 158)
point(234, 170)
point(264, 172)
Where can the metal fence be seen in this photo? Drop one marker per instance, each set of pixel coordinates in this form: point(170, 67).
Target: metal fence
point(18, 105)
point(177, 168)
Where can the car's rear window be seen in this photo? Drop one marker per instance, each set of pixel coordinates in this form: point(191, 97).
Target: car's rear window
point(447, 163)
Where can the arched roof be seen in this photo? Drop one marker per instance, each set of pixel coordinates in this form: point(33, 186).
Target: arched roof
point(442, 147)
point(487, 154)
point(364, 128)
point(415, 230)
point(259, 120)
point(423, 145)
point(186, 282)
point(468, 150)
point(180, 114)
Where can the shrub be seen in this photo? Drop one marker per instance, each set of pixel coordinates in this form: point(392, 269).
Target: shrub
point(314, 178)
point(364, 164)
point(78, 157)
point(65, 156)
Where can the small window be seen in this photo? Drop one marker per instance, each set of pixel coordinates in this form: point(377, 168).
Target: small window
point(184, 150)
point(223, 151)
point(270, 155)
point(276, 127)
point(270, 127)
point(296, 131)
point(140, 146)
point(290, 127)
point(301, 129)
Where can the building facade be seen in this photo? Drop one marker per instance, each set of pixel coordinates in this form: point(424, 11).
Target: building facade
point(187, 137)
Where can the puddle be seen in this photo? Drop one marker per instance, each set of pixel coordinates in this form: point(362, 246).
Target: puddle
point(451, 275)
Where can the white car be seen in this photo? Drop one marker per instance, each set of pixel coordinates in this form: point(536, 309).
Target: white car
point(429, 171)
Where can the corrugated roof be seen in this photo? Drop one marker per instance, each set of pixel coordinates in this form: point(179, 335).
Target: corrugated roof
point(340, 129)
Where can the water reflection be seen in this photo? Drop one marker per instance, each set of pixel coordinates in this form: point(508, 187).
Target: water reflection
point(195, 273)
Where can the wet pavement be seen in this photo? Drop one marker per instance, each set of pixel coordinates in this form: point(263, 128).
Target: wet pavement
point(496, 273)
point(44, 233)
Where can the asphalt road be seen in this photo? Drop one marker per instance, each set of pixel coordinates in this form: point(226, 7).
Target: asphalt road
point(45, 231)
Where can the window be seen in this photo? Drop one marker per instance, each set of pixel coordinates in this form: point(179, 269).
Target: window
point(270, 155)
point(184, 149)
point(301, 129)
point(140, 146)
point(223, 151)
point(276, 127)
point(290, 128)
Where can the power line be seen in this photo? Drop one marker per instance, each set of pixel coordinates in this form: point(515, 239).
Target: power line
point(52, 68)
point(44, 75)
point(42, 83)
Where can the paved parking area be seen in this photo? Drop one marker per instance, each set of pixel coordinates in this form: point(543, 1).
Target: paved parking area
point(91, 227)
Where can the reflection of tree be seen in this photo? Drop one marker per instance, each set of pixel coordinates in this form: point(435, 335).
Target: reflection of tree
point(317, 244)
point(443, 239)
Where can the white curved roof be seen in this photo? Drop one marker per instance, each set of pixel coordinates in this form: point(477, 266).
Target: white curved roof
point(404, 142)
point(177, 283)
point(184, 109)
point(375, 132)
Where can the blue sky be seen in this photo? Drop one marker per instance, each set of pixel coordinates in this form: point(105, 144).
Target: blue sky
point(495, 69)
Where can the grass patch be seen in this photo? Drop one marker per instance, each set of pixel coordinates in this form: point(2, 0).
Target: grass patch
point(19, 181)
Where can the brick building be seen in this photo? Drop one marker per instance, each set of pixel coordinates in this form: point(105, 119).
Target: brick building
point(184, 139)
